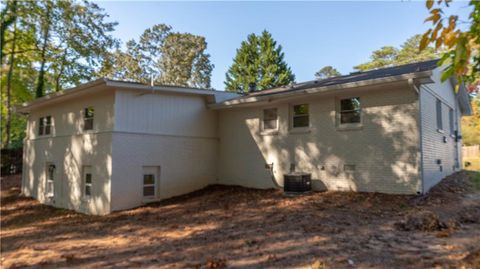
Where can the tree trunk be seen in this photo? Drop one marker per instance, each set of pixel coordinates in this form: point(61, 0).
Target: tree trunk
point(60, 72)
point(8, 123)
point(12, 7)
point(41, 74)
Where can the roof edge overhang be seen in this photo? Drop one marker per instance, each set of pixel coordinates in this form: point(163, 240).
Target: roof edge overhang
point(419, 78)
point(25, 108)
point(463, 97)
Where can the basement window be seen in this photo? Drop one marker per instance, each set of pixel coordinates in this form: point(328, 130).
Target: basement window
point(349, 167)
point(350, 110)
point(270, 119)
point(88, 118)
point(148, 185)
point(45, 125)
point(301, 116)
point(87, 181)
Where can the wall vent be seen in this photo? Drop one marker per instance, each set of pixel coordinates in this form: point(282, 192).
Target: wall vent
point(349, 167)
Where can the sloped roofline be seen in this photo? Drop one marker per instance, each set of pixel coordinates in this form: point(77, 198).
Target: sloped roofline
point(114, 84)
point(420, 77)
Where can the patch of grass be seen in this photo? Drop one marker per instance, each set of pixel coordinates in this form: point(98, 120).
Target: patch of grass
point(475, 176)
point(472, 164)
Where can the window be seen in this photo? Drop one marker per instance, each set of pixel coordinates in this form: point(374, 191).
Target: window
point(451, 119)
point(350, 110)
point(50, 180)
point(88, 118)
point(87, 181)
point(45, 125)
point(270, 119)
point(300, 116)
point(148, 185)
point(439, 115)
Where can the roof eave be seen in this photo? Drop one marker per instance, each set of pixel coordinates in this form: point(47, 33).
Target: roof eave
point(171, 89)
point(463, 98)
point(26, 107)
point(421, 77)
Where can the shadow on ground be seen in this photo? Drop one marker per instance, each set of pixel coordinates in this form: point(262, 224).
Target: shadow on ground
point(236, 227)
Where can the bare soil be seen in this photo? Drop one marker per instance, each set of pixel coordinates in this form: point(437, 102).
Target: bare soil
point(235, 227)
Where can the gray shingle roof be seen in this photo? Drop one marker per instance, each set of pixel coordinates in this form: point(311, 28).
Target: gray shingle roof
point(353, 77)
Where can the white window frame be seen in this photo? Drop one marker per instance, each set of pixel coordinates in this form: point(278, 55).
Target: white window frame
point(44, 125)
point(338, 112)
point(293, 116)
point(87, 170)
point(89, 118)
point(262, 124)
point(439, 115)
point(50, 180)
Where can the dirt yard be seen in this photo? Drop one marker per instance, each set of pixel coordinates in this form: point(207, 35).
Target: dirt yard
point(235, 227)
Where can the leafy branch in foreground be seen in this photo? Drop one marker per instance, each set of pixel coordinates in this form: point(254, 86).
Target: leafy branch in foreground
point(462, 56)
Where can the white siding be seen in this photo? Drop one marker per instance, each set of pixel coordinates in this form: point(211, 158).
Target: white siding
point(385, 150)
point(436, 144)
point(164, 114)
point(186, 164)
point(67, 116)
point(69, 148)
point(172, 131)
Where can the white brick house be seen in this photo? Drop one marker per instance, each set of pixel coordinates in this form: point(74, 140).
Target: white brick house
point(111, 145)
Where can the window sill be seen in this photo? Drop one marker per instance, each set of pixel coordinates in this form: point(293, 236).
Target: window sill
point(302, 130)
point(355, 127)
point(86, 198)
point(440, 131)
point(269, 132)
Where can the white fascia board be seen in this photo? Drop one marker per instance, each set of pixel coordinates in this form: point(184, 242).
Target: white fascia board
point(169, 89)
point(421, 77)
point(26, 107)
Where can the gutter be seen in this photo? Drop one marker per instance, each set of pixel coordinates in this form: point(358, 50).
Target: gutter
point(424, 77)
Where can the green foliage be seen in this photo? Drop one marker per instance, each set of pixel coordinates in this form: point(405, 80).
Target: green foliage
point(462, 44)
point(184, 61)
point(171, 58)
point(327, 72)
point(259, 62)
point(391, 56)
point(47, 46)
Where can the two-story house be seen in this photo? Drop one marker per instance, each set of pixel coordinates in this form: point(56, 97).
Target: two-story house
point(111, 145)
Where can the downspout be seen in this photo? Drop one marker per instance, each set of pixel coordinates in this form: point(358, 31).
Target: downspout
point(414, 87)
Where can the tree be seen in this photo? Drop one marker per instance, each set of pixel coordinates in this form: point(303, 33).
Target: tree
point(259, 63)
point(391, 56)
point(462, 44)
point(47, 45)
point(327, 72)
point(171, 58)
point(184, 61)
point(74, 40)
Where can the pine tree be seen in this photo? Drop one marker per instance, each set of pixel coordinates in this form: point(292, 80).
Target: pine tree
point(259, 63)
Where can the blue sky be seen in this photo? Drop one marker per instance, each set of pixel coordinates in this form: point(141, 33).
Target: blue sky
point(312, 34)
